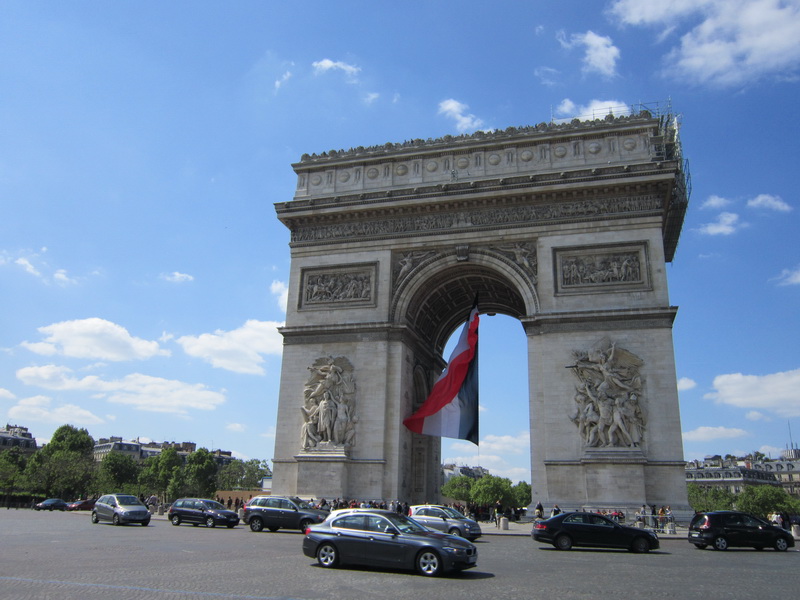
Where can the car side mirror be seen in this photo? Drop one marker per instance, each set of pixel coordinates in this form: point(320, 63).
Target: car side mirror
point(391, 531)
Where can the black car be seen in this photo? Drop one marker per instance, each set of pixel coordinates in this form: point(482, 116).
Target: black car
point(199, 510)
point(279, 512)
point(383, 538)
point(51, 504)
point(590, 529)
point(724, 529)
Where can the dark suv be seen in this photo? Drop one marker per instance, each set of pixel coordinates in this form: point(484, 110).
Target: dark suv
point(724, 529)
point(200, 510)
point(277, 512)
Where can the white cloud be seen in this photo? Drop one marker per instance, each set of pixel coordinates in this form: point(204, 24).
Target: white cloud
point(778, 393)
point(325, 65)
point(371, 97)
point(708, 434)
point(715, 202)
point(61, 278)
point(769, 202)
point(93, 338)
point(144, 392)
point(176, 277)
point(601, 54)
point(754, 415)
point(38, 408)
point(491, 454)
point(456, 110)
point(684, 383)
point(4, 393)
point(595, 109)
point(235, 427)
point(283, 79)
point(546, 75)
point(726, 224)
point(728, 42)
point(238, 350)
point(281, 291)
point(771, 451)
point(790, 276)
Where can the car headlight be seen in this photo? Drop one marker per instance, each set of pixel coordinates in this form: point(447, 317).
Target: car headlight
point(453, 550)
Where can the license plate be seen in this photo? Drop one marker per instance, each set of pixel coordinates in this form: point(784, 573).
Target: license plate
point(472, 559)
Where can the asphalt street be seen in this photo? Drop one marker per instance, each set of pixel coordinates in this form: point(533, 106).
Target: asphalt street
point(64, 556)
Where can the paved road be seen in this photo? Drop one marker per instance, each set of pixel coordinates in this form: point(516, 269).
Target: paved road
point(63, 556)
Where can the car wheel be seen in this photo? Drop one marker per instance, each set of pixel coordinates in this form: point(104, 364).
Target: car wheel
point(429, 563)
point(640, 545)
point(720, 543)
point(231, 525)
point(455, 531)
point(256, 524)
point(305, 524)
point(94, 518)
point(563, 542)
point(145, 523)
point(115, 520)
point(176, 520)
point(210, 522)
point(781, 545)
point(327, 555)
point(701, 546)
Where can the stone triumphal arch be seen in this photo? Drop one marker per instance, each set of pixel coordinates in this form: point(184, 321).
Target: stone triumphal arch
point(566, 227)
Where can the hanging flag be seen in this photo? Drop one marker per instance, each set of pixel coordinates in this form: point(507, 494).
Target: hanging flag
point(451, 409)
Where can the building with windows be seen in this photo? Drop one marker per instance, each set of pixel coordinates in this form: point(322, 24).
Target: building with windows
point(15, 436)
point(141, 451)
point(734, 475)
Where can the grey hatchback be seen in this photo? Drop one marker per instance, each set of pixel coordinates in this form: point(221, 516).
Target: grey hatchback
point(120, 509)
point(446, 519)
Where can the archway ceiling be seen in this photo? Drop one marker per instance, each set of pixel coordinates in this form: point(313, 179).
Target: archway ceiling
point(444, 302)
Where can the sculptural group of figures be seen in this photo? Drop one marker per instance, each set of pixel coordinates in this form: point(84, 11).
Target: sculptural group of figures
point(607, 411)
point(601, 269)
point(338, 286)
point(328, 409)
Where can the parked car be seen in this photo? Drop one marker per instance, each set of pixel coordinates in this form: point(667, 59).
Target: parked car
point(279, 512)
point(724, 529)
point(51, 504)
point(120, 509)
point(446, 519)
point(383, 538)
point(199, 510)
point(590, 529)
point(87, 504)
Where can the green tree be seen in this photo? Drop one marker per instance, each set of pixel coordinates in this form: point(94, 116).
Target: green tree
point(167, 461)
point(239, 474)
point(177, 484)
point(703, 498)
point(201, 473)
point(64, 467)
point(12, 468)
point(458, 488)
point(118, 472)
point(522, 494)
point(761, 500)
point(489, 489)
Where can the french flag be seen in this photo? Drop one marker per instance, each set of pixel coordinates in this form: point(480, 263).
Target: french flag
point(451, 409)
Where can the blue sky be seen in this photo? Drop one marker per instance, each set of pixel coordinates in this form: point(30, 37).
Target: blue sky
point(143, 271)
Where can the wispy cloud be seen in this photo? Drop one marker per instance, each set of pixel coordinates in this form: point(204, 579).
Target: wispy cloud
point(95, 339)
point(684, 383)
point(240, 350)
point(39, 409)
point(594, 109)
point(280, 290)
point(769, 202)
point(453, 109)
point(778, 393)
point(789, 276)
point(176, 277)
point(727, 223)
point(282, 80)
point(325, 65)
point(728, 42)
point(715, 202)
point(601, 54)
point(708, 434)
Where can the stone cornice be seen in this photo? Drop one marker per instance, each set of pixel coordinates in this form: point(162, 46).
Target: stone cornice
point(600, 320)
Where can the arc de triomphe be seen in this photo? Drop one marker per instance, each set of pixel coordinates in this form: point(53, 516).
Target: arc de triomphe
point(566, 227)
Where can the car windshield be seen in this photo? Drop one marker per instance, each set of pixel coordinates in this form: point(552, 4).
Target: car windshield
point(128, 501)
point(301, 504)
point(452, 513)
point(405, 525)
point(213, 505)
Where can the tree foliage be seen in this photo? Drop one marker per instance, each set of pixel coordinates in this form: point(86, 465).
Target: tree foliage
point(458, 488)
point(761, 500)
point(703, 499)
point(240, 474)
point(118, 472)
point(522, 494)
point(489, 489)
point(64, 467)
point(201, 473)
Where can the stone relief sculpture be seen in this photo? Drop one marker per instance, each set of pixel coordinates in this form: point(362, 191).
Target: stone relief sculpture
point(337, 287)
point(607, 410)
point(523, 254)
point(329, 406)
point(407, 262)
point(589, 269)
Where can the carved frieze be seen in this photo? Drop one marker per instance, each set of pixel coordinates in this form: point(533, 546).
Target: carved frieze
point(583, 269)
point(338, 286)
point(505, 216)
point(329, 406)
point(608, 399)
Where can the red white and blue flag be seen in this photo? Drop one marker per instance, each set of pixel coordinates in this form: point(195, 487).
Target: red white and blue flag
point(451, 409)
